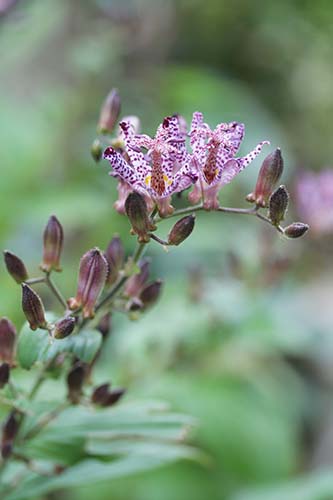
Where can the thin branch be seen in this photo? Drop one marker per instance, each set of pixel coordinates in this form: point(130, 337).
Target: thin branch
point(34, 281)
point(159, 240)
point(55, 290)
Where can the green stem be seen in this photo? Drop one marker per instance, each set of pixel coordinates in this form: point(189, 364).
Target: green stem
point(55, 290)
point(34, 281)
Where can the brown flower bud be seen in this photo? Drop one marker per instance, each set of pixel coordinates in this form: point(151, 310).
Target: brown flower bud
point(278, 205)
point(137, 212)
point(110, 112)
point(63, 327)
point(4, 374)
point(296, 230)
point(92, 275)
point(269, 175)
point(9, 432)
point(101, 394)
point(135, 283)
point(181, 230)
point(151, 293)
point(96, 150)
point(53, 240)
point(15, 267)
point(75, 381)
point(115, 255)
point(7, 340)
point(104, 325)
point(33, 308)
point(114, 397)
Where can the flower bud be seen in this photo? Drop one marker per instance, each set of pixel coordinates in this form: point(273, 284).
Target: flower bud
point(92, 275)
point(151, 293)
point(278, 204)
point(63, 327)
point(7, 340)
point(269, 175)
point(33, 308)
point(135, 283)
point(100, 394)
point(115, 255)
point(53, 240)
point(114, 397)
point(181, 230)
point(4, 374)
point(110, 112)
point(75, 380)
point(15, 267)
point(137, 212)
point(96, 150)
point(296, 230)
point(9, 432)
point(104, 325)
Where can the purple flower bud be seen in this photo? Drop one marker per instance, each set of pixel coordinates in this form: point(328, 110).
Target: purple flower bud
point(110, 112)
point(9, 432)
point(96, 150)
point(296, 230)
point(115, 255)
point(4, 374)
point(75, 381)
point(63, 327)
point(53, 240)
point(181, 230)
point(101, 394)
point(15, 267)
point(135, 283)
point(278, 205)
point(7, 340)
point(269, 175)
point(92, 275)
point(33, 308)
point(151, 293)
point(104, 325)
point(137, 212)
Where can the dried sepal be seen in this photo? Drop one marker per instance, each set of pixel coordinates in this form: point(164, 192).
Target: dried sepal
point(137, 212)
point(4, 374)
point(115, 255)
point(150, 294)
point(64, 327)
point(75, 381)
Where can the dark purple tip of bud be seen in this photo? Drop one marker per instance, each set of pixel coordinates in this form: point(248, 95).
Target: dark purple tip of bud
point(53, 238)
point(33, 308)
point(96, 150)
point(7, 340)
point(75, 381)
point(136, 282)
point(15, 267)
point(101, 394)
point(115, 255)
point(115, 396)
point(137, 212)
point(110, 112)
point(93, 272)
point(9, 432)
point(104, 325)
point(296, 230)
point(4, 374)
point(181, 230)
point(278, 205)
point(269, 175)
point(64, 327)
point(151, 293)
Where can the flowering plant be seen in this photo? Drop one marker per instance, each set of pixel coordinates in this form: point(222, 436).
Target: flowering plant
point(101, 440)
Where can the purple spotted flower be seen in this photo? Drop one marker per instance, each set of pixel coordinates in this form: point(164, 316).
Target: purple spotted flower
point(155, 167)
point(213, 156)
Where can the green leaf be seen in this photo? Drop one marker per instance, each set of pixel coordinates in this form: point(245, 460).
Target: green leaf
point(84, 345)
point(31, 345)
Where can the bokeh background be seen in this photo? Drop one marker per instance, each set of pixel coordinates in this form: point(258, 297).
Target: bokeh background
point(242, 337)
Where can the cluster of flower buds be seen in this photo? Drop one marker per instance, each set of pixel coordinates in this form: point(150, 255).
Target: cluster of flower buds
point(139, 293)
point(276, 200)
point(104, 396)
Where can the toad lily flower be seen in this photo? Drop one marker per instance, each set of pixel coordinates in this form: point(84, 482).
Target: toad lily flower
point(165, 168)
point(214, 158)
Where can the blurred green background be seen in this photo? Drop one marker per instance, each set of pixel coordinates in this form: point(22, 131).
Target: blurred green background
point(242, 337)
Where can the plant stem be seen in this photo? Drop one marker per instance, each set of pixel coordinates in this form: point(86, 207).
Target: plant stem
point(55, 290)
point(34, 281)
